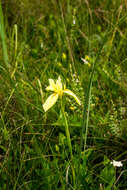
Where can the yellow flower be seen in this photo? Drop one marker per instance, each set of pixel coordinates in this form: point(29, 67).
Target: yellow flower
point(64, 56)
point(72, 108)
point(86, 60)
point(58, 89)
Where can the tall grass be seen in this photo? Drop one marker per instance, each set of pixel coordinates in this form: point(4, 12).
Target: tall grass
point(3, 37)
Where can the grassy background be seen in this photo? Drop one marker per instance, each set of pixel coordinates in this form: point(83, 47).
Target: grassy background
point(46, 39)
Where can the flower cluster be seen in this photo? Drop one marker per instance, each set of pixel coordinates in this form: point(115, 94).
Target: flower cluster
point(117, 163)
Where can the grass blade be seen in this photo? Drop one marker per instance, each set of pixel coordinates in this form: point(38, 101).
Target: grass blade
point(87, 109)
point(3, 37)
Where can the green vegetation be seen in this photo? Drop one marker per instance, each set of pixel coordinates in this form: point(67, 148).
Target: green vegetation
point(70, 146)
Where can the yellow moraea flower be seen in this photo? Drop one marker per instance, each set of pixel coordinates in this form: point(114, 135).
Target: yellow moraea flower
point(58, 89)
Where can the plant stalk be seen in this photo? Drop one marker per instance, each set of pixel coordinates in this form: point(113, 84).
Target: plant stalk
point(68, 140)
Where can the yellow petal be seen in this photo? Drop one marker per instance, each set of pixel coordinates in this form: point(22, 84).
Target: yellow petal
point(51, 100)
point(72, 94)
point(52, 85)
point(59, 84)
point(59, 87)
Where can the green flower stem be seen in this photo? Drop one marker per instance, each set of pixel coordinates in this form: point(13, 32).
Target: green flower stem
point(67, 130)
point(68, 139)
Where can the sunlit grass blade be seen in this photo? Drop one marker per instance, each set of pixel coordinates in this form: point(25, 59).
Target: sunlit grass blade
point(3, 38)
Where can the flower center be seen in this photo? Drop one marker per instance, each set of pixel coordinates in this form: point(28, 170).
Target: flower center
point(59, 91)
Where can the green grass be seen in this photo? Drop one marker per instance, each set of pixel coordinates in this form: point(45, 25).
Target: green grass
point(46, 40)
point(3, 38)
